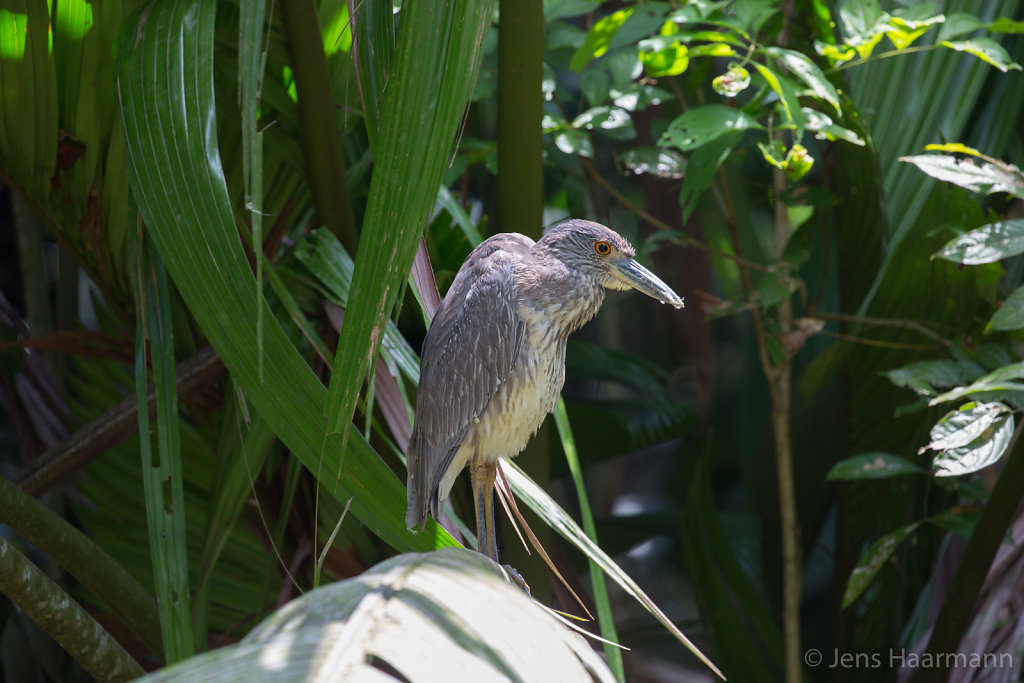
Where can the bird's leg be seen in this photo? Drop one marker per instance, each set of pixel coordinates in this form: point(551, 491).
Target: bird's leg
point(482, 475)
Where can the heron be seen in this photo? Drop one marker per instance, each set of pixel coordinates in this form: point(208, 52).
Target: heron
point(493, 360)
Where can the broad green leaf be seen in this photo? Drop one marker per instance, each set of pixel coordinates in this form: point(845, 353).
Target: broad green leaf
point(663, 56)
point(985, 49)
point(1000, 379)
point(639, 97)
point(544, 505)
point(165, 80)
point(331, 266)
point(788, 99)
point(979, 453)
point(964, 425)
point(864, 23)
point(440, 46)
point(958, 24)
point(910, 23)
point(874, 465)
point(428, 617)
point(611, 121)
point(983, 177)
point(807, 71)
point(773, 289)
point(664, 163)
point(712, 50)
point(986, 244)
point(872, 560)
point(960, 520)
point(595, 85)
point(599, 38)
point(29, 108)
point(645, 19)
point(701, 167)
point(836, 54)
point(1006, 25)
point(824, 128)
point(702, 125)
point(1010, 315)
point(572, 141)
point(926, 375)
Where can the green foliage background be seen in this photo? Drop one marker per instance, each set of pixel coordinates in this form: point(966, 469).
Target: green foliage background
point(215, 207)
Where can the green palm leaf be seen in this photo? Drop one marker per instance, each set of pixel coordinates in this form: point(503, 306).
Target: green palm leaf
point(165, 82)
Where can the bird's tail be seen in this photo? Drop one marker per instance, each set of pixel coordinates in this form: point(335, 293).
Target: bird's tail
point(416, 486)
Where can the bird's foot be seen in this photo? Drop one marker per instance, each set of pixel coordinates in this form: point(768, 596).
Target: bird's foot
point(516, 577)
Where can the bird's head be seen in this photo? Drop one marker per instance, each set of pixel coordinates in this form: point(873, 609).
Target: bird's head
point(599, 252)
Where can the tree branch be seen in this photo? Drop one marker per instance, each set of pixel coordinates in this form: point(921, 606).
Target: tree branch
point(110, 429)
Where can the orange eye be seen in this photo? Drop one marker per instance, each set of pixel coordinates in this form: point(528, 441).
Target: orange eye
point(602, 248)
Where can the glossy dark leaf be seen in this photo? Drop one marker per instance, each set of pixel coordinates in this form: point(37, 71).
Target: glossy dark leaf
point(874, 465)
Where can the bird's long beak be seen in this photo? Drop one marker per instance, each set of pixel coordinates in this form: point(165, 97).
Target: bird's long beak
point(631, 273)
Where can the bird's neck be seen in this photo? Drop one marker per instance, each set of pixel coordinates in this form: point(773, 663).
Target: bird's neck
point(563, 299)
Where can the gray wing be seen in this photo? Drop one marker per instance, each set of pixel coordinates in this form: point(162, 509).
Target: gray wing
point(470, 349)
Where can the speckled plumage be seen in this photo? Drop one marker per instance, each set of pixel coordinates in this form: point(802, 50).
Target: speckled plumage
point(494, 357)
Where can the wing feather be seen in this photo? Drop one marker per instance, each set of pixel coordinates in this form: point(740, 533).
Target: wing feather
point(470, 349)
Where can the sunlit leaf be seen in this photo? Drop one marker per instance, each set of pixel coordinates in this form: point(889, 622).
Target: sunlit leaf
point(808, 72)
point(985, 49)
point(788, 99)
point(639, 97)
point(977, 454)
point(1001, 379)
point(823, 128)
point(438, 54)
point(645, 19)
point(697, 127)
point(426, 616)
point(873, 465)
point(664, 163)
point(872, 560)
point(599, 38)
point(572, 141)
point(864, 23)
point(165, 81)
point(910, 23)
point(983, 177)
point(732, 82)
point(611, 121)
point(987, 244)
point(964, 425)
point(663, 56)
point(836, 54)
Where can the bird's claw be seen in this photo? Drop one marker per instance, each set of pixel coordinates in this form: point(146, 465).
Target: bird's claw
point(516, 577)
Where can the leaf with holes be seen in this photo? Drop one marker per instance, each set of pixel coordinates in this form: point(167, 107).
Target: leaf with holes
point(872, 560)
point(983, 177)
point(702, 125)
point(979, 453)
